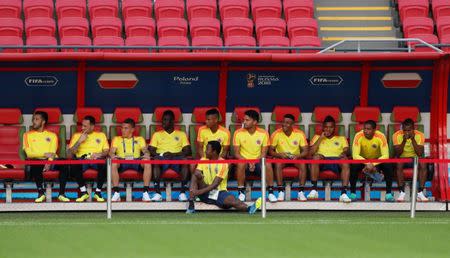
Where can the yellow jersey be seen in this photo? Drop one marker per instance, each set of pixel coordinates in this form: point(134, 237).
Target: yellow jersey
point(250, 145)
point(96, 142)
point(128, 147)
point(205, 135)
point(330, 147)
point(211, 171)
point(375, 148)
point(165, 142)
point(288, 144)
point(36, 144)
point(408, 150)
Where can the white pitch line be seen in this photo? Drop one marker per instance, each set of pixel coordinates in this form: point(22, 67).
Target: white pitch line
point(307, 222)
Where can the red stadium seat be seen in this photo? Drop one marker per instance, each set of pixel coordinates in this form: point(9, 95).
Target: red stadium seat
point(445, 40)
point(40, 26)
point(298, 9)
point(305, 41)
point(274, 41)
point(140, 41)
point(204, 27)
point(10, 8)
point(233, 8)
point(158, 115)
point(81, 112)
point(207, 41)
point(103, 8)
point(266, 9)
point(428, 38)
point(319, 114)
point(413, 8)
point(237, 117)
point(169, 9)
point(76, 41)
point(108, 41)
point(140, 26)
point(237, 27)
point(172, 27)
point(73, 26)
point(122, 113)
point(201, 9)
point(173, 41)
point(11, 134)
point(11, 27)
point(106, 26)
point(38, 8)
point(440, 8)
point(278, 114)
point(417, 25)
point(11, 41)
point(240, 41)
point(443, 26)
point(400, 113)
point(270, 27)
point(70, 8)
point(41, 41)
point(302, 27)
point(362, 114)
point(137, 8)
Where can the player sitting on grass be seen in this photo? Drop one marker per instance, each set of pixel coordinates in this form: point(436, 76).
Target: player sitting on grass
point(209, 183)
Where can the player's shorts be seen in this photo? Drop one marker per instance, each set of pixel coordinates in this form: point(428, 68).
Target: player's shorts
point(174, 167)
point(136, 167)
point(332, 167)
point(220, 202)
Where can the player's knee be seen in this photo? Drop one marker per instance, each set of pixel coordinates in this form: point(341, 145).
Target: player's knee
point(317, 157)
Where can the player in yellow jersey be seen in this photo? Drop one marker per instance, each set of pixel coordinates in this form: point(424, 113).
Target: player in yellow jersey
point(209, 183)
point(370, 143)
point(40, 144)
point(89, 145)
point(409, 143)
point(289, 143)
point(129, 147)
point(329, 146)
point(252, 142)
point(170, 144)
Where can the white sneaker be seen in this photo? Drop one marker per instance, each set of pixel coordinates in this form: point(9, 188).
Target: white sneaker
point(182, 197)
point(301, 197)
point(313, 195)
point(156, 198)
point(146, 197)
point(272, 198)
point(115, 197)
point(401, 197)
point(241, 197)
point(344, 198)
point(421, 197)
point(280, 196)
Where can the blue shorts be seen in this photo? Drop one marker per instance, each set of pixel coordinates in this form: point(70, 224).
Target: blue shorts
point(85, 167)
point(220, 202)
point(336, 168)
point(174, 167)
point(124, 167)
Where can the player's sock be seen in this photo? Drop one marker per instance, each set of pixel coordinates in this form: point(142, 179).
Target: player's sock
point(40, 191)
point(344, 190)
point(145, 189)
point(301, 188)
point(270, 189)
point(401, 188)
point(83, 190)
point(157, 187)
point(420, 189)
point(314, 184)
point(241, 189)
point(184, 186)
point(280, 188)
point(116, 189)
point(191, 205)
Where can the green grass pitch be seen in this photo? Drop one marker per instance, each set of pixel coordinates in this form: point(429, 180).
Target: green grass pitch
point(225, 234)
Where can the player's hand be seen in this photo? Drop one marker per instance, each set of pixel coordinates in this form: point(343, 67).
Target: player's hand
point(49, 155)
point(96, 155)
point(370, 167)
point(343, 156)
point(83, 137)
point(46, 167)
point(252, 167)
point(284, 155)
point(113, 156)
point(168, 155)
point(146, 157)
point(193, 193)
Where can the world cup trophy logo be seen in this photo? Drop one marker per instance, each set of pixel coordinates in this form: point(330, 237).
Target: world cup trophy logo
point(251, 77)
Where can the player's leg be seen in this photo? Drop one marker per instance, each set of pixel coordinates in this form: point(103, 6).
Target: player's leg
point(269, 180)
point(63, 177)
point(388, 175)
point(36, 174)
point(240, 175)
point(101, 178)
point(157, 171)
point(355, 169)
point(345, 176)
point(302, 181)
point(315, 169)
point(147, 176)
point(77, 171)
point(279, 177)
point(400, 182)
point(422, 180)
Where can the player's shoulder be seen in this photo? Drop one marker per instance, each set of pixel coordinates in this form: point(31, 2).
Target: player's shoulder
point(262, 131)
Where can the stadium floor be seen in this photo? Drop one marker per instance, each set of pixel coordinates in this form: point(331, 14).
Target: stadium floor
point(225, 234)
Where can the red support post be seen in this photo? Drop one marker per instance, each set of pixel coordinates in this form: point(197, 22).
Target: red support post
point(81, 83)
point(223, 81)
point(364, 91)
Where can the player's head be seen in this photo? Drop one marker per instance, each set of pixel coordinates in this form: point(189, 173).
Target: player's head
point(88, 124)
point(128, 126)
point(212, 117)
point(288, 122)
point(369, 129)
point(213, 149)
point(251, 119)
point(328, 126)
point(408, 126)
point(168, 119)
point(40, 119)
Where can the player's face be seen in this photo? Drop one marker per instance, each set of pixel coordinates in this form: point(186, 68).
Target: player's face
point(369, 131)
point(287, 124)
point(211, 121)
point(127, 130)
point(249, 122)
point(328, 129)
point(86, 126)
point(209, 152)
point(167, 122)
point(38, 122)
point(408, 130)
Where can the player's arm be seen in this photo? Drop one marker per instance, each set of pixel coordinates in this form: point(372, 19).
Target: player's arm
point(356, 150)
point(112, 152)
point(225, 150)
point(273, 153)
point(152, 151)
point(344, 153)
point(200, 151)
point(304, 151)
point(146, 152)
point(75, 144)
point(264, 150)
point(214, 185)
point(315, 146)
point(418, 147)
point(399, 147)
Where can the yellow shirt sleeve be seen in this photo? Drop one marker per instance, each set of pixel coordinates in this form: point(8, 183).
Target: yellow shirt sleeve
point(201, 167)
point(184, 140)
point(356, 148)
point(314, 139)
point(200, 134)
point(54, 144)
point(223, 173)
point(105, 142)
point(420, 138)
point(274, 139)
point(155, 139)
point(266, 140)
point(74, 139)
point(28, 150)
point(396, 138)
point(141, 143)
point(384, 148)
point(115, 143)
point(344, 142)
point(303, 141)
point(227, 139)
point(237, 139)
